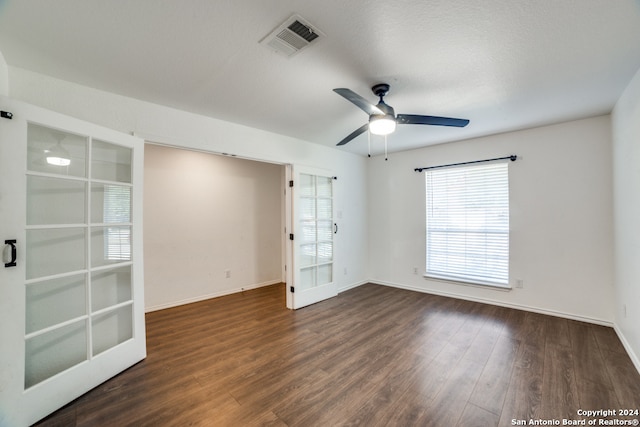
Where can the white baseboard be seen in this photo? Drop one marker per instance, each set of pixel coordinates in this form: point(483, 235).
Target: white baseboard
point(632, 355)
point(233, 291)
point(499, 303)
point(209, 296)
point(352, 285)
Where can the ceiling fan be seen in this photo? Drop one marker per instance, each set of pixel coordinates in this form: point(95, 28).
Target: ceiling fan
point(382, 117)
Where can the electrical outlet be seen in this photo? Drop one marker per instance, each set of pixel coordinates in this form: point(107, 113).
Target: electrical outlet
point(415, 270)
point(227, 274)
point(519, 283)
point(345, 271)
point(624, 310)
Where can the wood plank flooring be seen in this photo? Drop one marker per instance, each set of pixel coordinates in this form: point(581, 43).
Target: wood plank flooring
point(373, 356)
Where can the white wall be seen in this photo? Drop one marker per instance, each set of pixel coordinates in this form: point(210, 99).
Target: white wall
point(206, 214)
point(626, 178)
point(561, 218)
point(4, 77)
point(182, 129)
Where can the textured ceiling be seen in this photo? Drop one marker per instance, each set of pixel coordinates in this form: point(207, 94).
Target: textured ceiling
point(503, 64)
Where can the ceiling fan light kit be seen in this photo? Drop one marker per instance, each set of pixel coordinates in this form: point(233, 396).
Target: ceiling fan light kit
point(382, 124)
point(382, 117)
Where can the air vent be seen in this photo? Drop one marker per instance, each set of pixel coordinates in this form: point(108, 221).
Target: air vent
point(292, 36)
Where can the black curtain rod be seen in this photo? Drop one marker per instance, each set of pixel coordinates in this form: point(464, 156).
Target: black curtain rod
point(512, 157)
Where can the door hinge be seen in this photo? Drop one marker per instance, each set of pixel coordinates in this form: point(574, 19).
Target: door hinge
point(6, 115)
point(291, 236)
point(291, 183)
point(292, 289)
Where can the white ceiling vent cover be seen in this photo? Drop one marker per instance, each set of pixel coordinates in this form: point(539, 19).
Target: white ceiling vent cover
point(292, 36)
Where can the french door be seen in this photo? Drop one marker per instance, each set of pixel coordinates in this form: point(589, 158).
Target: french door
point(313, 237)
point(71, 279)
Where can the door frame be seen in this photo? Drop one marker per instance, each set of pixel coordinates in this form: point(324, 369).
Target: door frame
point(288, 243)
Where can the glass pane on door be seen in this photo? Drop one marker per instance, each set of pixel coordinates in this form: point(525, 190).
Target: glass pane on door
point(308, 231)
point(78, 225)
point(110, 287)
point(325, 208)
point(52, 352)
point(325, 230)
point(307, 255)
point(48, 148)
point(325, 273)
point(55, 201)
point(112, 328)
point(307, 207)
point(307, 185)
point(315, 238)
point(325, 252)
point(55, 301)
point(55, 251)
point(110, 162)
point(110, 203)
point(307, 278)
point(110, 245)
point(324, 186)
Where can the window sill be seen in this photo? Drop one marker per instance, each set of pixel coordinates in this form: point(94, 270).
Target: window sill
point(485, 285)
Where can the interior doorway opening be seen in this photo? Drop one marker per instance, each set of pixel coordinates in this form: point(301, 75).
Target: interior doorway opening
point(214, 224)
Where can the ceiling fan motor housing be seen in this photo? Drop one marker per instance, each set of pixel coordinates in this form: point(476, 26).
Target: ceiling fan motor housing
point(387, 109)
point(380, 90)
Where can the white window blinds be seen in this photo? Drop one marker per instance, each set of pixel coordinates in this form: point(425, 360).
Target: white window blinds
point(468, 223)
point(117, 210)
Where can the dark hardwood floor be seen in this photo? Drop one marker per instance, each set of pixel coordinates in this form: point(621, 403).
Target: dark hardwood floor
point(373, 356)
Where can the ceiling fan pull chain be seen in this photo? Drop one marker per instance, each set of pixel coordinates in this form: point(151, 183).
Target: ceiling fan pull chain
point(385, 148)
point(369, 139)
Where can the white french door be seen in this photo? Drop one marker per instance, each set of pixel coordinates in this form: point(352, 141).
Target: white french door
point(313, 237)
point(71, 278)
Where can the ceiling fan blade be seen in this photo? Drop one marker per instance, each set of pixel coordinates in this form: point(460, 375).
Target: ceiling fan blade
point(414, 119)
point(355, 133)
point(359, 101)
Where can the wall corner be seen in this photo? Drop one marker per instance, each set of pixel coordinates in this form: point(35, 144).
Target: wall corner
point(4, 76)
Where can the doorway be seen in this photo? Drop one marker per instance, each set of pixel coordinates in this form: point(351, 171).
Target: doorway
point(213, 225)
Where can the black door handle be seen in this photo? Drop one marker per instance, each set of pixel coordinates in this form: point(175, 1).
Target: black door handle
point(14, 253)
point(335, 228)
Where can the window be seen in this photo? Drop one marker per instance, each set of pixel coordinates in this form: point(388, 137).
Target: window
point(468, 224)
point(117, 209)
